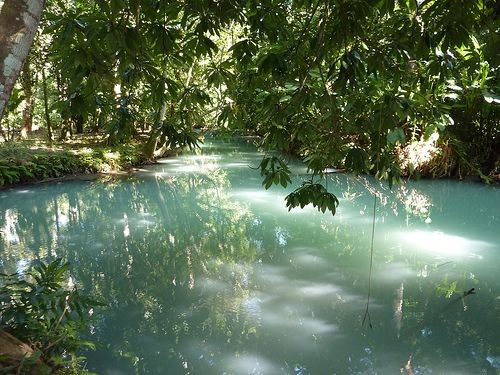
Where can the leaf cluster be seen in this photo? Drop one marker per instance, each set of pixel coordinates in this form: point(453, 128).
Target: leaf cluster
point(39, 307)
point(315, 194)
point(275, 171)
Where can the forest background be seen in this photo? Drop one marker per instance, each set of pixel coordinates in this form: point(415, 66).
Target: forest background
point(389, 87)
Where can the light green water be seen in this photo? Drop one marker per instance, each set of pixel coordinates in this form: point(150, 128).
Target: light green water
point(205, 272)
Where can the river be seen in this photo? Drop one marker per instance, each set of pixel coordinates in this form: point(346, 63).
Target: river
point(206, 272)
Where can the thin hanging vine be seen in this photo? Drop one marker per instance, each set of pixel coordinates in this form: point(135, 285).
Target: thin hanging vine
point(367, 310)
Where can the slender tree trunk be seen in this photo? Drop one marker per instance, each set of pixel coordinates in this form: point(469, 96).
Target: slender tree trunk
point(66, 130)
point(152, 143)
point(27, 84)
point(7, 123)
point(62, 88)
point(78, 120)
point(18, 24)
point(46, 104)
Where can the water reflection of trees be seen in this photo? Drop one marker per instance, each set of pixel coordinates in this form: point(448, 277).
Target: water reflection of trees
point(142, 245)
point(431, 317)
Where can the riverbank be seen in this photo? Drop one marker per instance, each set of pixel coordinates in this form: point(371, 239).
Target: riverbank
point(88, 157)
point(85, 157)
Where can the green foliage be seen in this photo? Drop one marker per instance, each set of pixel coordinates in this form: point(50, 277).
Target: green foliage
point(340, 84)
point(447, 289)
point(315, 194)
point(361, 80)
point(28, 162)
point(39, 307)
point(275, 171)
point(120, 63)
point(19, 164)
point(357, 160)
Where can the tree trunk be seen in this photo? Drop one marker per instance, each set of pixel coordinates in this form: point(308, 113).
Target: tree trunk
point(14, 353)
point(152, 143)
point(66, 130)
point(154, 135)
point(18, 24)
point(27, 84)
point(46, 104)
point(78, 120)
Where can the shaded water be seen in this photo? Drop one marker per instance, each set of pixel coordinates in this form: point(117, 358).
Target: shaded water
point(206, 272)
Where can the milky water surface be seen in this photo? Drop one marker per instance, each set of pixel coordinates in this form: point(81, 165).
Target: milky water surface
point(206, 272)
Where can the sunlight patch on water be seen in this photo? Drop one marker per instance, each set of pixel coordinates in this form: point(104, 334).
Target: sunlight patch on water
point(260, 199)
point(195, 168)
point(394, 271)
point(310, 260)
point(169, 161)
point(9, 230)
point(22, 267)
point(318, 290)
point(250, 364)
point(272, 275)
point(279, 282)
point(211, 158)
point(186, 164)
point(253, 195)
point(234, 165)
point(442, 245)
point(296, 324)
point(212, 285)
point(24, 192)
point(140, 222)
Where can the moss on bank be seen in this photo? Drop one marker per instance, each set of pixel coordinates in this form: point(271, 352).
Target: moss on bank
point(34, 160)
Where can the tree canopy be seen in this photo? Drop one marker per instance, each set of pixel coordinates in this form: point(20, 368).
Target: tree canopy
point(377, 87)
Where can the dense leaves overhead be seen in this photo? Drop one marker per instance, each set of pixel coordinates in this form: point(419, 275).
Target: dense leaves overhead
point(350, 81)
point(343, 83)
point(119, 62)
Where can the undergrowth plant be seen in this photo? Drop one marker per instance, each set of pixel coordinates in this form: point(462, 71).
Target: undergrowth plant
point(22, 162)
point(43, 309)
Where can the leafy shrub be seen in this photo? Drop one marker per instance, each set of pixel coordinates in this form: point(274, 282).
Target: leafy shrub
point(21, 162)
point(42, 309)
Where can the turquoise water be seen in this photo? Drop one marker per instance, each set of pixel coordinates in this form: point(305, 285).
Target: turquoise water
point(205, 272)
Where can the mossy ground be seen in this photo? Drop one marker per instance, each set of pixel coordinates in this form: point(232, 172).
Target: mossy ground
point(34, 160)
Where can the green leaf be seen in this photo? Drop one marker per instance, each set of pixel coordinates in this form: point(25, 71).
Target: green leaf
point(315, 194)
point(491, 98)
point(275, 171)
point(395, 136)
point(357, 160)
